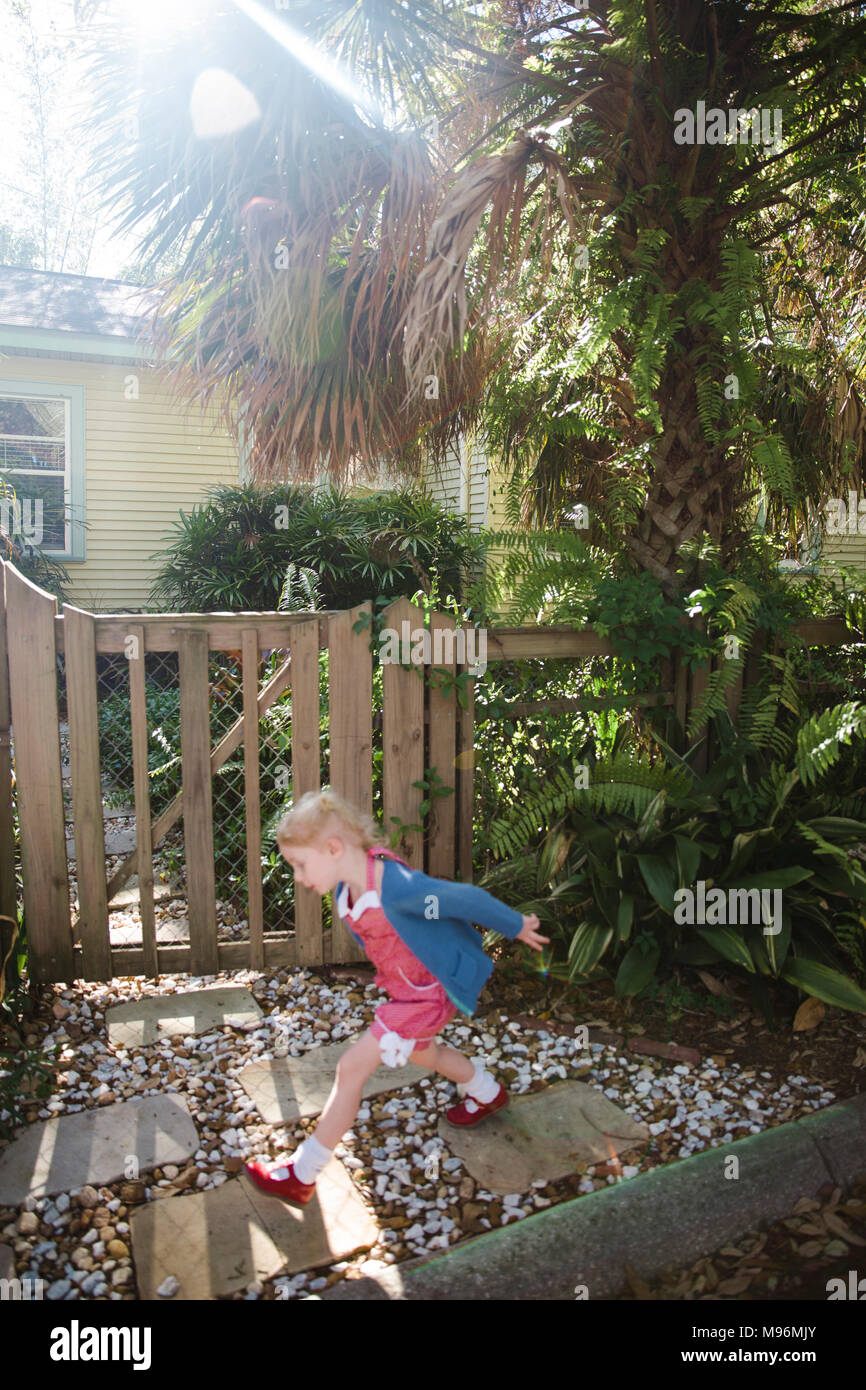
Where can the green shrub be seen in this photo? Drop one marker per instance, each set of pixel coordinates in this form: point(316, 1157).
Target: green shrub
point(601, 865)
point(234, 550)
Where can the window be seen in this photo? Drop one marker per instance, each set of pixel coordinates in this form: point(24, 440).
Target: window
point(42, 466)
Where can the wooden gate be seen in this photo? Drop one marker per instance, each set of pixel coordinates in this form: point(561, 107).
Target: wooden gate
point(422, 727)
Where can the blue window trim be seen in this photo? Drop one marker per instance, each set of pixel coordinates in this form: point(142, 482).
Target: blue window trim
point(14, 386)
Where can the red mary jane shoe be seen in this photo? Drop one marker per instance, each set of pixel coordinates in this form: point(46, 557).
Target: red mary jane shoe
point(289, 1189)
point(459, 1115)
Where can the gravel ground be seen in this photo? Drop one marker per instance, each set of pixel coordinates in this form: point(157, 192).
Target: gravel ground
point(424, 1200)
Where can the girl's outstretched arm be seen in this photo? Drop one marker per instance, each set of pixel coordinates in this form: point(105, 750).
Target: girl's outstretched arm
point(457, 900)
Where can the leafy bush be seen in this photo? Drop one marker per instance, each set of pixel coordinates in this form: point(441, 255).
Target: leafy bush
point(601, 864)
point(235, 550)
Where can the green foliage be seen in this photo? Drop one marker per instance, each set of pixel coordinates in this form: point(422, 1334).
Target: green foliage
point(24, 1072)
point(268, 548)
point(603, 866)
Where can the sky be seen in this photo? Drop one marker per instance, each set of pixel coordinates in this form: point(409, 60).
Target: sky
point(18, 163)
point(110, 251)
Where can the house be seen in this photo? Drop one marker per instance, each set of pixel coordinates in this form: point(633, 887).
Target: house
point(101, 457)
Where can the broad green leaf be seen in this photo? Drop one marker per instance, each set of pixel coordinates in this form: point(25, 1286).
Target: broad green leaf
point(824, 983)
point(730, 944)
point(689, 856)
point(660, 879)
point(636, 970)
point(588, 945)
point(624, 917)
point(774, 878)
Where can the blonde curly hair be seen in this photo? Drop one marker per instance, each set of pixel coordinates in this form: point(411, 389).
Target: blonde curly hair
point(319, 814)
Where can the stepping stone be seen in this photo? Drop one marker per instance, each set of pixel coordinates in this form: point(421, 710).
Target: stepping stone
point(116, 842)
point(218, 1241)
point(131, 897)
point(145, 1021)
point(168, 930)
point(93, 1146)
point(117, 812)
point(297, 1087)
point(543, 1135)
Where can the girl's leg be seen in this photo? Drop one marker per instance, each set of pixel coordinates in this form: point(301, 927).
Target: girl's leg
point(446, 1060)
point(356, 1064)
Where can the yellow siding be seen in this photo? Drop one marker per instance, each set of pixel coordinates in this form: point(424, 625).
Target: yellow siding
point(145, 460)
point(843, 550)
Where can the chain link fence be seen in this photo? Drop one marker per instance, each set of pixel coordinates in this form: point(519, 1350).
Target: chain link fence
point(162, 696)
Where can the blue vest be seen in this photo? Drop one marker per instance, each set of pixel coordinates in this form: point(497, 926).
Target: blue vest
point(434, 919)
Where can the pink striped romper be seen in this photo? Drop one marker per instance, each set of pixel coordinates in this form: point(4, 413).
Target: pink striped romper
point(419, 1006)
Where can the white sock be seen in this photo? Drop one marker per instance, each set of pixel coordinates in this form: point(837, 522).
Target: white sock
point(308, 1161)
point(483, 1087)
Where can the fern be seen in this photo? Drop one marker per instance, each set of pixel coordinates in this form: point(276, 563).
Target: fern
point(621, 783)
point(819, 741)
point(841, 856)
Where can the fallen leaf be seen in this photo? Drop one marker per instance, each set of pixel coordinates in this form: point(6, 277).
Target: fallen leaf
point(739, 1284)
point(810, 1249)
point(713, 985)
point(810, 1013)
point(637, 1285)
point(837, 1227)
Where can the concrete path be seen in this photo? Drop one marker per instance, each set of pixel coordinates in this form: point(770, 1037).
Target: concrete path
point(670, 1216)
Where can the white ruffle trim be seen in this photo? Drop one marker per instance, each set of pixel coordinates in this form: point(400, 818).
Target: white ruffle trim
point(368, 899)
point(395, 1050)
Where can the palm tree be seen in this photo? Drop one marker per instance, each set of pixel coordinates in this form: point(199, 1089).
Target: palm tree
point(352, 276)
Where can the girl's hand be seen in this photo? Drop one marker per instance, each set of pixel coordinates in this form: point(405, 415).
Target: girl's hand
point(530, 934)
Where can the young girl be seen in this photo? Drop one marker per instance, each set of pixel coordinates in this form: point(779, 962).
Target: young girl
point(418, 932)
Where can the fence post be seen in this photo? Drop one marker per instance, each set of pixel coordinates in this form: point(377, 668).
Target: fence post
point(141, 788)
point(442, 755)
point(697, 689)
point(8, 895)
point(351, 734)
point(305, 776)
point(403, 731)
point(197, 799)
point(465, 762)
point(30, 615)
point(252, 797)
point(79, 645)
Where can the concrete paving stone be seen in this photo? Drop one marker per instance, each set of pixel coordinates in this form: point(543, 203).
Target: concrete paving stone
point(543, 1135)
point(131, 896)
point(145, 1021)
point(116, 842)
point(295, 1087)
point(216, 1242)
point(168, 930)
point(94, 1146)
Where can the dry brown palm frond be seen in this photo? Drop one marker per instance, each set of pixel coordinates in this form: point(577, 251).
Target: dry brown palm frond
point(438, 311)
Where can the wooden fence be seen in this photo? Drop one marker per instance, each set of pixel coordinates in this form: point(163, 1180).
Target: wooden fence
point(421, 727)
